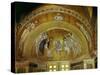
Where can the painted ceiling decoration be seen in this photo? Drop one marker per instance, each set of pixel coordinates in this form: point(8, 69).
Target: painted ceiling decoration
point(56, 33)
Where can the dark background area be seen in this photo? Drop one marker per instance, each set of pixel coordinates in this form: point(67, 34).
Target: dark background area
point(24, 8)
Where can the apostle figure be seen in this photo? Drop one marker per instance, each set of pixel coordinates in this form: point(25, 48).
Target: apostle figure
point(44, 44)
point(71, 44)
point(58, 45)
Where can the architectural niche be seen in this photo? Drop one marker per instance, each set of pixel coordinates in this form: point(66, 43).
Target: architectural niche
point(56, 37)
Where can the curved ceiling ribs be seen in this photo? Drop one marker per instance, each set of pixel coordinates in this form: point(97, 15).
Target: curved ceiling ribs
point(53, 17)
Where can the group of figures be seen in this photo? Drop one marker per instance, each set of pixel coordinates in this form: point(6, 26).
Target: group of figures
point(69, 44)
